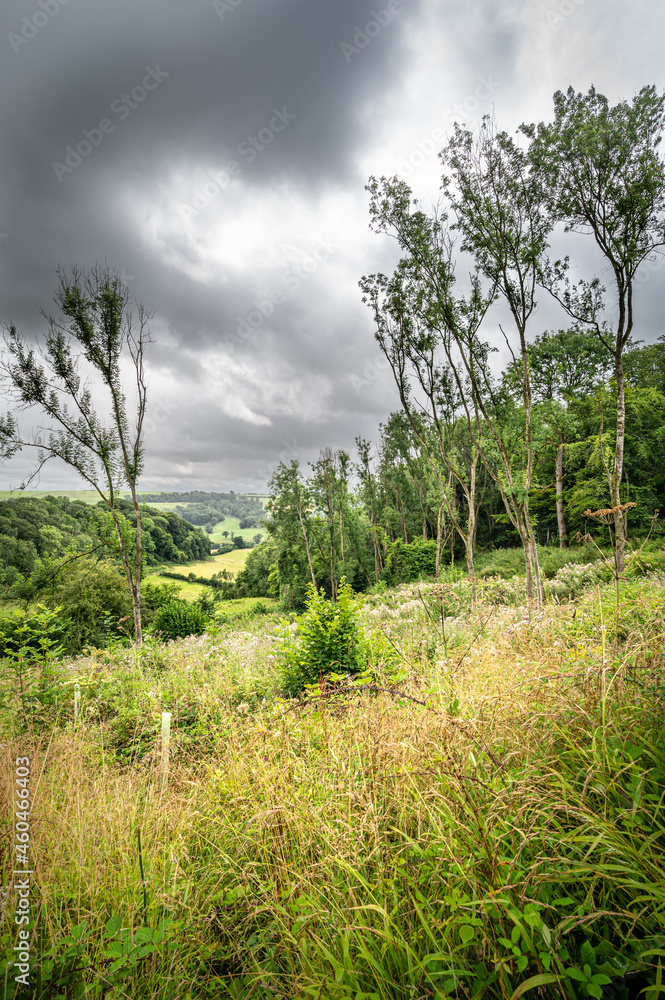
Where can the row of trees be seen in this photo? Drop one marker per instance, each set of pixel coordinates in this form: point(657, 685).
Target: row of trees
point(593, 170)
point(353, 518)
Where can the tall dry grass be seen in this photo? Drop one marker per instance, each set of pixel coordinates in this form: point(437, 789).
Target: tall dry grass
point(360, 843)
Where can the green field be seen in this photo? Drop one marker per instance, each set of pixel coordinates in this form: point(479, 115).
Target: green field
point(232, 525)
point(233, 561)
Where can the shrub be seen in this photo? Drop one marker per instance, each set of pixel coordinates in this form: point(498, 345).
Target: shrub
point(94, 598)
point(325, 639)
point(410, 561)
point(30, 644)
point(574, 578)
point(33, 636)
point(180, 619)
point(155, 596)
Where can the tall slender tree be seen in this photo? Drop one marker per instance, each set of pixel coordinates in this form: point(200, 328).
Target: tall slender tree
point(426, 329)
point(498, 202)
point(605, 178)
point(88, 344)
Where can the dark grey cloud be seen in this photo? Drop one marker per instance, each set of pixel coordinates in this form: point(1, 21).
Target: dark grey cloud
point(263, 348)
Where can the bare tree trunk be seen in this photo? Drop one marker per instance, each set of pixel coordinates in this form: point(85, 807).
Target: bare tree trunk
point(131, 583)
point(377, 556)
point(617, 470)
point(468, 551)
point(135, 584)
point(558, 487)
point(471, 524)
point(439, 530)
point(307, 549)
point(535, 563)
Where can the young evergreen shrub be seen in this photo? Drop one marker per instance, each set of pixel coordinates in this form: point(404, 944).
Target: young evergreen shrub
point(31, 643)
point(33, 636)
point(180, 619)
point(325, 639)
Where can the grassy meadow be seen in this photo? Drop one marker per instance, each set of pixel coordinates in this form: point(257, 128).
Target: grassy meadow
point(482, 814)
point(230, 561)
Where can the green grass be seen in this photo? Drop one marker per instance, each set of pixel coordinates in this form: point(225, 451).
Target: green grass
point(232, 526)
point(233, 561)
point(491, 826)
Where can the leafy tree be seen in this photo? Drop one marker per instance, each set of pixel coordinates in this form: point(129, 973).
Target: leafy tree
point(290, 507)
point(645, 366)
point(94, 599)
point(427, 332)
point(370, 497)
point(563, 366)
point(258, 577)
point(430, 340)
point(498, 202)
point(95, 329)
point(604, 178)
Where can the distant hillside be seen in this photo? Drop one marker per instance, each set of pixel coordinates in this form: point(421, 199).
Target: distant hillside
point(35, 530)
point(208, 509)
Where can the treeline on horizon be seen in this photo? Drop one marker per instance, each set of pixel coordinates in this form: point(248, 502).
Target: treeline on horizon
point(41, 537)
point(208, 509)
point(382, 516)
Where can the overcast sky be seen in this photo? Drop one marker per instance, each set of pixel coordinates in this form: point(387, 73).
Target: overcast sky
point(216, 153)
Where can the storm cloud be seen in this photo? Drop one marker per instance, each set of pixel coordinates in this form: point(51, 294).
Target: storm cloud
point(216, 153)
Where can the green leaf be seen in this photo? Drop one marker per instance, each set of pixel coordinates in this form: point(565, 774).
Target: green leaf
point(542, 979)
point(113, 925)
point(577, 974)
point(142, 935)
point(114, 948)
point(466, 933)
